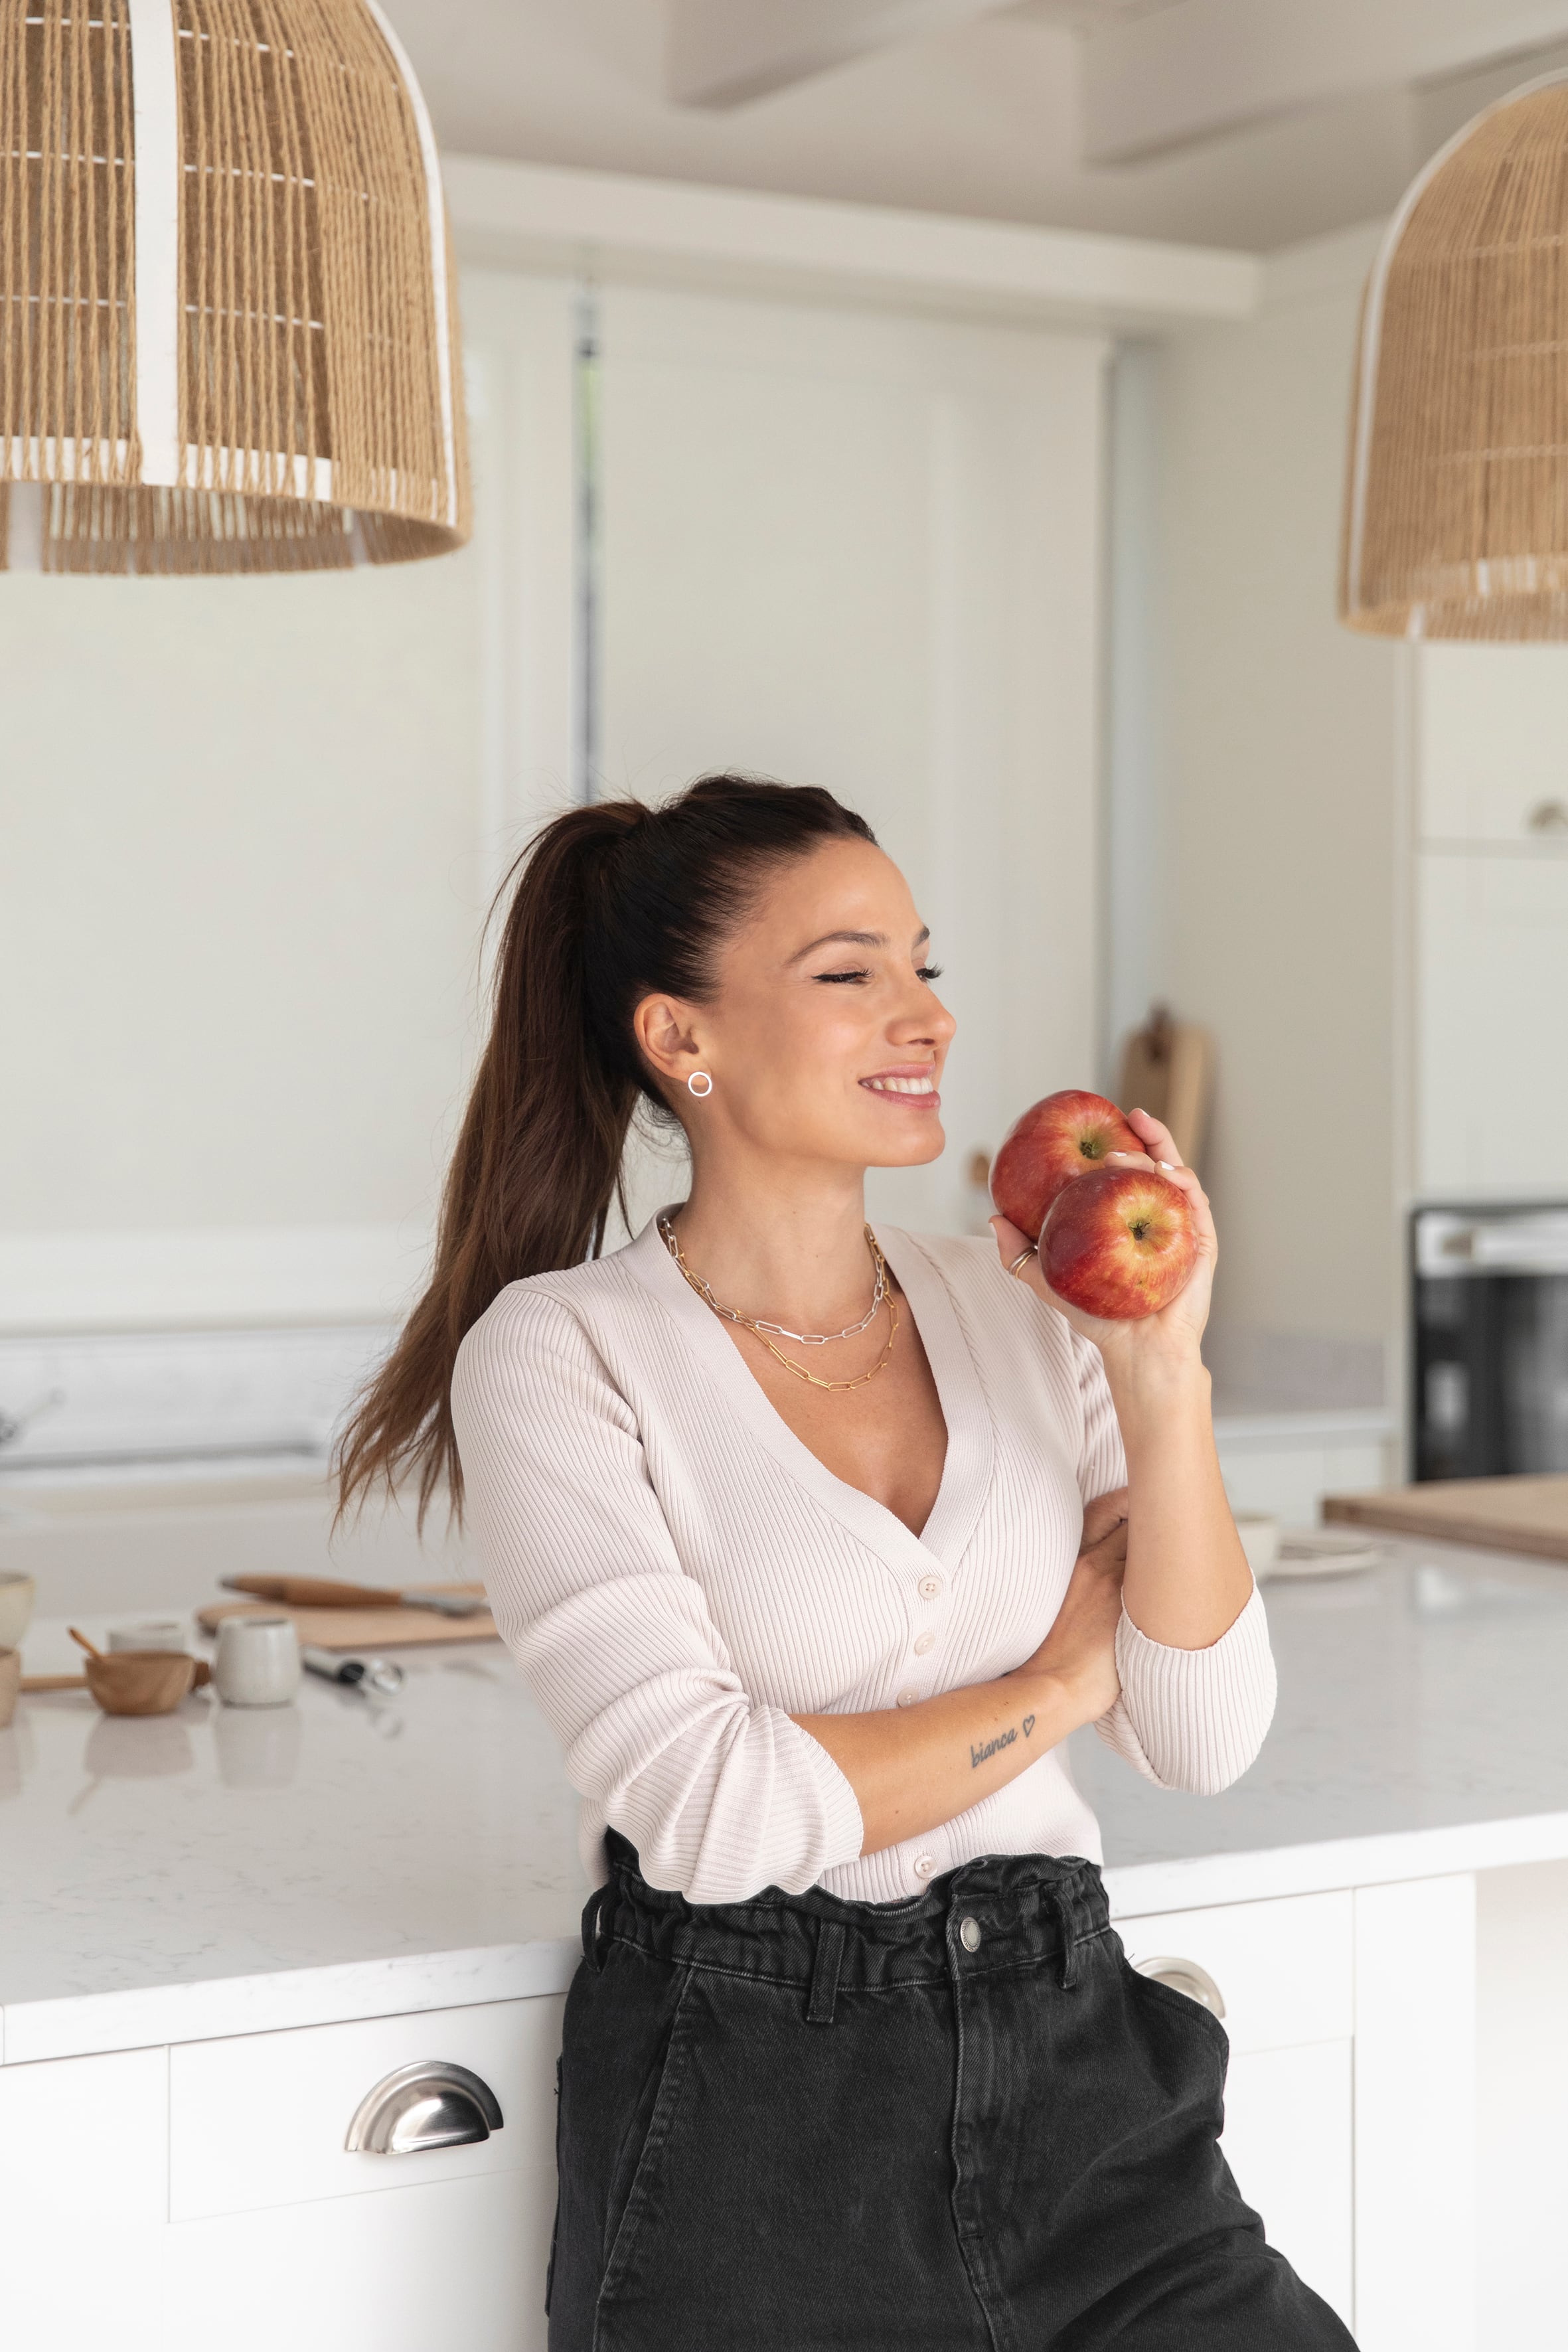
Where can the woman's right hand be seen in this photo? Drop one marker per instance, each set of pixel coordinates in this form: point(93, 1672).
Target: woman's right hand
point(1079, 1651)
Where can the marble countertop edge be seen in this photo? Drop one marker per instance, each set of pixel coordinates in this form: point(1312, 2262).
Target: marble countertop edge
point(1195, 1881)
point(90, 2024)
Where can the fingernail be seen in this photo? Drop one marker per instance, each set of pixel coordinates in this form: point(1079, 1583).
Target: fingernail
point(1167, 1165)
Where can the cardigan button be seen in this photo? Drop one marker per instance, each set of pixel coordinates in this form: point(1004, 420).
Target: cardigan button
point(908, 1697)
point(929, 1587)
point(923, 1644)
point(924, 1864)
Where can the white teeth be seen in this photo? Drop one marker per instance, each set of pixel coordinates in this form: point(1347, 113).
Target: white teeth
point(900, 1085)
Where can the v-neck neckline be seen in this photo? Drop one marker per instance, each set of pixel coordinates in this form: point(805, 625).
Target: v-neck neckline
point(966, 1471)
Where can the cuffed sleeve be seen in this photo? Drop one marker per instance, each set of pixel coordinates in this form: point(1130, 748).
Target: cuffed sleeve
point(719, 1794)
point(1193, 1719)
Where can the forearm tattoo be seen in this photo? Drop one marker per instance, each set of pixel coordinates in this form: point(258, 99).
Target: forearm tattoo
point(1003, 1740)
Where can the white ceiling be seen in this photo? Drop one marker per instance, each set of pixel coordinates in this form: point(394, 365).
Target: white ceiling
point(1241, 123)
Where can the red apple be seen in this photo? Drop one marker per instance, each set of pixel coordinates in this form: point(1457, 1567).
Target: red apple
point(1122, 1243)
point(1048, 1146)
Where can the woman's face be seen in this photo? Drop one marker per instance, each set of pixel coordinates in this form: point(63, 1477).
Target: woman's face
point(823, 1036)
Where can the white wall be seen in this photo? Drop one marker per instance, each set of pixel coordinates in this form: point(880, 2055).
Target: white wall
point(249, 828)
point(1522, 2053)
point(863, 551)
point(1281, 757)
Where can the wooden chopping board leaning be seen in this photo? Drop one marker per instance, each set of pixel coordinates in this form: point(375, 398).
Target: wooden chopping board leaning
point(333, 1616)
point(1167, 1069)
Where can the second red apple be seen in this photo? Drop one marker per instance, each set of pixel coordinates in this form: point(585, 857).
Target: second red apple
point(1120, 1244)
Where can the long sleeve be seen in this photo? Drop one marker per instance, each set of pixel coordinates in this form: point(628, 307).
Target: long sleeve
point(720, 1795)
point(1191, 1719)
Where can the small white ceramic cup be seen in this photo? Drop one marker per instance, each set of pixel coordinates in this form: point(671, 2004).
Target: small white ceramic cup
point(10, 1684)
point(1259, 1536)
point(16, 1593)
point(258, 1662)
point(152, 1633)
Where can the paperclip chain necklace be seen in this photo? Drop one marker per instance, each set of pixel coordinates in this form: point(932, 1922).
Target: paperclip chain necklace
point(881, 1289)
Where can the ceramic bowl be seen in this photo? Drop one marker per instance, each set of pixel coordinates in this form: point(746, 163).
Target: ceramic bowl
point(145, 1681)
point(16, 1593)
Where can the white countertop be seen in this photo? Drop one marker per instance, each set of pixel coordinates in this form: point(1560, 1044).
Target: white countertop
point(226, 1870)
point(1421, 1727)
point(230, 1870)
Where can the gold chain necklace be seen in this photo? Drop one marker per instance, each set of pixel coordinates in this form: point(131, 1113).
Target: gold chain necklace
point(881, 1289)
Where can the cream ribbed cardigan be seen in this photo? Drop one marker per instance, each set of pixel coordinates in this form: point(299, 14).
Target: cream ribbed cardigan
point(677, 1574)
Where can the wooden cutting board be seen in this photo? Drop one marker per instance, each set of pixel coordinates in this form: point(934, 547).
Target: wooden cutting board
point(1528, 1514)
point(361, 1629)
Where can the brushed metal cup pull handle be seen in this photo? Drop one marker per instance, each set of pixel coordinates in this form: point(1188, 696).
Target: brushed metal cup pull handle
point(432, 2104)
point(1185, 1976)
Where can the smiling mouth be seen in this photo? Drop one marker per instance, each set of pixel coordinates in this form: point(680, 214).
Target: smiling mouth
point(919, 1092)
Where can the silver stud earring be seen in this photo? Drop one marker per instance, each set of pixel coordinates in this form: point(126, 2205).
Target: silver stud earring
point(702, 1091)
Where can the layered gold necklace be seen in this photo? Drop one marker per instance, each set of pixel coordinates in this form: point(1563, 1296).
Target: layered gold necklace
point(881, 1289)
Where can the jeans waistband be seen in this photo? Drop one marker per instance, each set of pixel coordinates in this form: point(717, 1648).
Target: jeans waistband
point(1005, 1911)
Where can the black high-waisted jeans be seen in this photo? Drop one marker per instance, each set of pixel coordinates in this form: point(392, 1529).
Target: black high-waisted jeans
point(960, 2123)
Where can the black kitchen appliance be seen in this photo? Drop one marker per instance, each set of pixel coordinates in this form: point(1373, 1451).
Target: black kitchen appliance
point(1489, 1297)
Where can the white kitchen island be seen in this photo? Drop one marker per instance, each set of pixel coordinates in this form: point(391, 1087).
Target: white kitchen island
point(219, 1930)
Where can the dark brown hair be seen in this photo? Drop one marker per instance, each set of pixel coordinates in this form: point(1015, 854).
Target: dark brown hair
point(608, 903)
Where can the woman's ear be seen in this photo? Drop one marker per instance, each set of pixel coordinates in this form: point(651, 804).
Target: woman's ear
point(662, 1027)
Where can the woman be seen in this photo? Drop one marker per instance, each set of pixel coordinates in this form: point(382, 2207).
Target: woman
point(812, 1544)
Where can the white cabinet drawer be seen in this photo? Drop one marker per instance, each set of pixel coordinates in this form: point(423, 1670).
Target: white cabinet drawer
point(458, 2266)
point(1285, 1969)
point(262, 2120)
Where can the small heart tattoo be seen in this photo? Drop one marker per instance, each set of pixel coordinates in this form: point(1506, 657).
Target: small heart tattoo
point(1029, 1725)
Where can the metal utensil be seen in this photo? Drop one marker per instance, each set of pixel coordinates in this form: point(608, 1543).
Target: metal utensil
point(356, 1674)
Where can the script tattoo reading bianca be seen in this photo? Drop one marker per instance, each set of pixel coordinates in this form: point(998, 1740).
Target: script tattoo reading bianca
point(1003, 1739)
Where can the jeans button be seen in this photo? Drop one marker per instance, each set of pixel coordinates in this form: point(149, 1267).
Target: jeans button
point(969, 1935)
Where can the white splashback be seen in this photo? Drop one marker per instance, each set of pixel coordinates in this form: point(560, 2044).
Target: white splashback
point(99, 1398)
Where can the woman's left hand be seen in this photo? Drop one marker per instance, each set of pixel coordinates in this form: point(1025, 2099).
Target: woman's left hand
point(1151, 1341)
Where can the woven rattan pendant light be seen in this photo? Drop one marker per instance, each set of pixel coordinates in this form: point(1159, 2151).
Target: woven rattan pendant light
point(228, 334)
point(1457, 503)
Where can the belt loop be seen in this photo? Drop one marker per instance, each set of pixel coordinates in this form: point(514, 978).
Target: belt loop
point(825, 1974)
point(1061, 1903)
point(594, 1941)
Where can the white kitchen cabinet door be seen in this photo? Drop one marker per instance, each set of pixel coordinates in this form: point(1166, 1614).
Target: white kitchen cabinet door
point(1289, 2137)
point(1415, 2119)
point(1493, 981)
point(1285, 1972)
point(83, 2195)
point(1492, 738)
point(457, 2266)
point(862, 551)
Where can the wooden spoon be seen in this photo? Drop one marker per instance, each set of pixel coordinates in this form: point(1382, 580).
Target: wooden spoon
point(83, 1644)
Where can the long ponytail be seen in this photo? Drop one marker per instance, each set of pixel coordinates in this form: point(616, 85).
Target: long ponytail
point(608, 902)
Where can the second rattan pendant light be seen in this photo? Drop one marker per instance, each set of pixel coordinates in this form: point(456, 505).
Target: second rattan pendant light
point(227, 333)
point(1457, 504)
